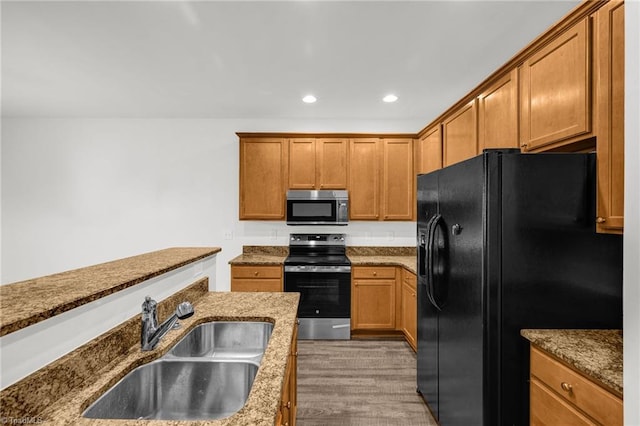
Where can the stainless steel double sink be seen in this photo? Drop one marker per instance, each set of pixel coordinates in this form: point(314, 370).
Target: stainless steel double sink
point(207, 375)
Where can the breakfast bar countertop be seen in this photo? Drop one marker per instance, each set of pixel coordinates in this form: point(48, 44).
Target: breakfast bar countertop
point(28, 302)
point(595, 353)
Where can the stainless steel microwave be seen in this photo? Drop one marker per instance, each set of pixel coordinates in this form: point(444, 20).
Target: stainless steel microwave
point(317, 207)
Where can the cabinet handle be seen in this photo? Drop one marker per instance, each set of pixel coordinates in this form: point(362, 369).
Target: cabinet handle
point(255, 273)
point(288, 404)
point(601, 220)
point(566, 387)
point(375, 273)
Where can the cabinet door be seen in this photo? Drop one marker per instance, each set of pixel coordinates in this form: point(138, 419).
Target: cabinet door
point(460, 135)
point(498, 114)
point(555, 101)
point(331, 160)
point(374, 304)
point(364, 179)
point(302, 163)
point(429, 151)
point(263, 178)
point(409, 308)
point(609, 89)
point(397, 179)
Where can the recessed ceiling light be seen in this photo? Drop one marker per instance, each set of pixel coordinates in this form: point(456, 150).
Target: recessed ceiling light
point(390, 98)
point(309, 99)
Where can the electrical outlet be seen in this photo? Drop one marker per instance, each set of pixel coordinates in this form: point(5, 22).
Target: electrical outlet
point(228, 234)
point(391, 235)
point(274, 234)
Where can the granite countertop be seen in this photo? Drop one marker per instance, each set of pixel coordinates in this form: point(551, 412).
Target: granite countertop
point(28, 302)
point(359, 255)
point(95, 367)
point(595, 353)
point(407, 262)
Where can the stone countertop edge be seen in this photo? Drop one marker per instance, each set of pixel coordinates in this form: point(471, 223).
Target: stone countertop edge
point(28, 302)
point(264, 399)
point(596, 354)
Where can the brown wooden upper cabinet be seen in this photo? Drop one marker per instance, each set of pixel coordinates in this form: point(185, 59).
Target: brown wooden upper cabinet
point(364, 179)
point(460, 134)
point(397, 179)
point(555, 91)
point(498, 113)
point(429, 150)
point(317, 163)
point(381, 179)
point(263, 178)
point(609, 92)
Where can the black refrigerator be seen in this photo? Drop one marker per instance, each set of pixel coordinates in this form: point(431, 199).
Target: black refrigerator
point(505, 241)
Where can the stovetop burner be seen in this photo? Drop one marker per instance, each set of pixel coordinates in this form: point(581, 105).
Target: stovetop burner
point(317, 249)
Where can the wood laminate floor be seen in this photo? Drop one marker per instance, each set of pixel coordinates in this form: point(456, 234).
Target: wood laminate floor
point(358, 382)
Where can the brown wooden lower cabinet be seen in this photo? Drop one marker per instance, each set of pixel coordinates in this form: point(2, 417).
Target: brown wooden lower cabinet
point(409, 308)
point(289, 400)
point(562, 396)
point(384, 302)
point(256, 278)
point(373, 298)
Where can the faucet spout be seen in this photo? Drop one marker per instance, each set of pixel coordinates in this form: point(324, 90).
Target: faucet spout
point(152, 333)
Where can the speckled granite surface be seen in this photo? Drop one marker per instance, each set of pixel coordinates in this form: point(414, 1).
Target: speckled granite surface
point(28, 302)
point(359, 255)
point(595, 353)
point(58, 393)
point(261, 255)
point(407, 262)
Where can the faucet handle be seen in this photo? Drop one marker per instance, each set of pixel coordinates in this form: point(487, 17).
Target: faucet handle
point(184, 310)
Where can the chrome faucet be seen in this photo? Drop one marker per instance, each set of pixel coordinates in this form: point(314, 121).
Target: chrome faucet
point(151, 332)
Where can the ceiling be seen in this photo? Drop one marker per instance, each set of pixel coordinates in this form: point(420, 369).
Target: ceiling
point(241, 59)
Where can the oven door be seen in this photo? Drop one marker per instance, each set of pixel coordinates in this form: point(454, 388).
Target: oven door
point(325, 292)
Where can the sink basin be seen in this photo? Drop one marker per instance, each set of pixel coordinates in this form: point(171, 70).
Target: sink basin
point(225, 340)
point(171, 389)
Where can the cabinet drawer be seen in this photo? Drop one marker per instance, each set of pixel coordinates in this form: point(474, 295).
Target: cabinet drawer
point(256, 272)
point(547, 408)
point(601, 405)
point(374, 272)
point(242, 284)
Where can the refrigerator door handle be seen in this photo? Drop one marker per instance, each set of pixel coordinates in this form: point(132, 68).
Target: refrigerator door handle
point(433, 226)
point(423, 243)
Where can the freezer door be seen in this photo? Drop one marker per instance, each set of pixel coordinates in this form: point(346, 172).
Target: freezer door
point(427, 344)
point(459, 292)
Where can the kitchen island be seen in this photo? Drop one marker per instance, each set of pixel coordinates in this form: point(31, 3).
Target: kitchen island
point(59, 392)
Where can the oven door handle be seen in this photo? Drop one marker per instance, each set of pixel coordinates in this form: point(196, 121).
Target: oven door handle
point(303, 269)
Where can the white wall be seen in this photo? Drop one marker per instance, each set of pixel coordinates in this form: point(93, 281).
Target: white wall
point(77, 192)
point(632, 216)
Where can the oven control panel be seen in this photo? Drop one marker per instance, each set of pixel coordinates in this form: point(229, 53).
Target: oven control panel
point(316, 239)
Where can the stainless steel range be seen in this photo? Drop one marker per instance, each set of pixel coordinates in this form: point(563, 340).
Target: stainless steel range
point(318, 268)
